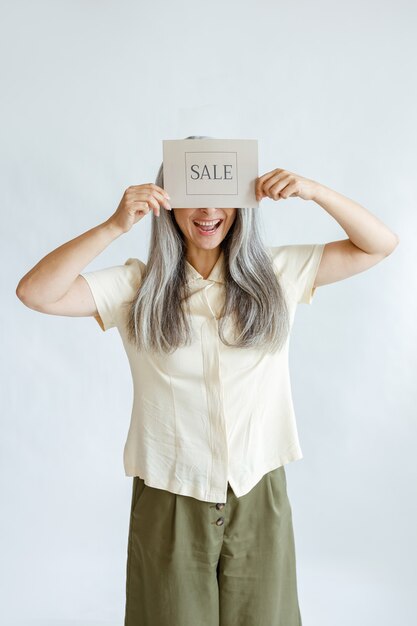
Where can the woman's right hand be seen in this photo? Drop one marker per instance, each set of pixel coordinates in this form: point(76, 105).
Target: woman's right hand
point(136, 202)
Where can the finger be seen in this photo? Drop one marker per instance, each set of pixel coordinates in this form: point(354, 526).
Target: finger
point(156, 194)
point(147, 198)
point(144, 208)
point(268, 174)
point(260, 181)
point(160, 190)
point(265, 177)
point(289, 190)
point(139, 209)
point(161, 199)
point(273, 185)
point(152, 186)
point(153, 197)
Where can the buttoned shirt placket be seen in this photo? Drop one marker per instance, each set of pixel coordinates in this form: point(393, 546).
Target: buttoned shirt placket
point(217, 480)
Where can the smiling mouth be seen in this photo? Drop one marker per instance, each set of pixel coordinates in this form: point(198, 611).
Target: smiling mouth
point(206, 226)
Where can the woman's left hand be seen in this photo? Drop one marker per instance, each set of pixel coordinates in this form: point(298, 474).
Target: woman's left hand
point(280, 184)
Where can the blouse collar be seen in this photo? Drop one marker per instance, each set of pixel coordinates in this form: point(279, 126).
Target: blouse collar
point(216, 274)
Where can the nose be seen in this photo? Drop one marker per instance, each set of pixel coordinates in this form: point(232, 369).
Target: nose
point(208, 211)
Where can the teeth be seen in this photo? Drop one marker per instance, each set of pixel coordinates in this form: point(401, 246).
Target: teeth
point(207, 223)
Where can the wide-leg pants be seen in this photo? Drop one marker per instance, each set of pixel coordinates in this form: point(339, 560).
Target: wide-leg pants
point(196, 563)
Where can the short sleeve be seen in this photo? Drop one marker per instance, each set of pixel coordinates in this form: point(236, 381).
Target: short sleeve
point(112, 287)
point(298, 265)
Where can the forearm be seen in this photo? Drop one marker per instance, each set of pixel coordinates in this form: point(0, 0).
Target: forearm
point(53, 275)
point(363, 228)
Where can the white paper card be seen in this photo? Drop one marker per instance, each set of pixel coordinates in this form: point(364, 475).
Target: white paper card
point(210, 173)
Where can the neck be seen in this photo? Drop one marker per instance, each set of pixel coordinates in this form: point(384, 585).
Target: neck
point(203, 260)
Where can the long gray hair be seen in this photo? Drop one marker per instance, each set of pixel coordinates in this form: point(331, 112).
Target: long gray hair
point(254, 299)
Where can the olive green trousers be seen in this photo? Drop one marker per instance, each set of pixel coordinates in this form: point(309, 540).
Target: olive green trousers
point(196, 563)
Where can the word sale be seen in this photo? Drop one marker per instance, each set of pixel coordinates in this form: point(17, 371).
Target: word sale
point(211, 172)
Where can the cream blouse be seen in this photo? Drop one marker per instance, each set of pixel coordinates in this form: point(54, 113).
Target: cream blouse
point(208, 414)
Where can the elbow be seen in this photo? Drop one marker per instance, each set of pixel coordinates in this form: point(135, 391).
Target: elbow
point(20, 291)
point(23, 294)
point(394, 244)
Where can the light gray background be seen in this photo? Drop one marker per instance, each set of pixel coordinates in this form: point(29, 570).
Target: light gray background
point(90, 89)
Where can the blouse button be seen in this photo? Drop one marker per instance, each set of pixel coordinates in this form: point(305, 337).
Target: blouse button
point(220, 521)
point(219, 506)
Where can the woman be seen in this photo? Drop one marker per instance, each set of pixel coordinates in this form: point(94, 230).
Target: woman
point(206, 325)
